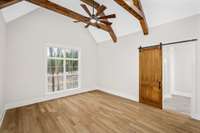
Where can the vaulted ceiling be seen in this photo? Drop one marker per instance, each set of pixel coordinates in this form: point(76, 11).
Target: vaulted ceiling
point(156, 11)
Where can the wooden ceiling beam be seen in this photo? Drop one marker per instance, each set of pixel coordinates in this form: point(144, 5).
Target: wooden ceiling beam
point(65, 11)
point(143, 21)
point(131, 9)
point(136, 10)
point(69, 13)
point(6, 3)
point(96, 5)
point(90, 3)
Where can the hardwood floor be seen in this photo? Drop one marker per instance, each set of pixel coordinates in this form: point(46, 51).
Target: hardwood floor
point(95, 112)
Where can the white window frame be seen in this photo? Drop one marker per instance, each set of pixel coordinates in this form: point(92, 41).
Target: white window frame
point(46, 68)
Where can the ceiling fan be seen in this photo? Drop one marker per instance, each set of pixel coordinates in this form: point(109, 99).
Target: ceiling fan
point(96, 17)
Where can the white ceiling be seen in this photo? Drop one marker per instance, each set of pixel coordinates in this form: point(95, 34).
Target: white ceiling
point(157, 12)
point(13, 12)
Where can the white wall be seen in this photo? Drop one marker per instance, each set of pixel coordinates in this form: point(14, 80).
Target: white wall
point(27, 39)
point(168, 71)
point(118, 63)
point(197, 93)
point(179, 69)
point(184, 69)
point(2, 52)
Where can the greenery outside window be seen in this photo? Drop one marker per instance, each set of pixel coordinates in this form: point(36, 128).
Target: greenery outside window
point(63, 69)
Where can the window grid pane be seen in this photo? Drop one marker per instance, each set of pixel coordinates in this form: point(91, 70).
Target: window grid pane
point(55, 83)
point(71, 81)
point(62, 69)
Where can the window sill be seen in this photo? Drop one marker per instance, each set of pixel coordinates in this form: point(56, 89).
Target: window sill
point(62, 91)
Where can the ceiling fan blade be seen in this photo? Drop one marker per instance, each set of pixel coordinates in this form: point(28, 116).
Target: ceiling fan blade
point(86, 9)
point(87, 25)
point(106, 22)
point(108, 16)
point(97, 26)
point(100, 10)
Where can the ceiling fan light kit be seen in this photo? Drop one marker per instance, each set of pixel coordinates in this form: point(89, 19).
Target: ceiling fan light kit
point(92, 20)
point(98, 17)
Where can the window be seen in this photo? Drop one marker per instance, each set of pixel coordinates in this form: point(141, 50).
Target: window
point(63, 69)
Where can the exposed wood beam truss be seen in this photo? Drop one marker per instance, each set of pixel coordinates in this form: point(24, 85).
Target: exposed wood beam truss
point(6, 3)
point(143, 21)
point(64, 11)
point(137, 11)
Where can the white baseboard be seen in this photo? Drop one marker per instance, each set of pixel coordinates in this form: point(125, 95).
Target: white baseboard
point(45, 98)
point(167, 96)
point(196, 117)
point(136, 99)
point(68, 93)
point(179, 93)
point(2, 114)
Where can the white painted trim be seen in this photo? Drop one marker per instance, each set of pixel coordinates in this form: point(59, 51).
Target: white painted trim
point(47, 45)
point(196, 117)
point(2, 114)
point(135, 99)
point(179, 93)
point(167, 96)
point(71, 92)
point(45, 98)
point(173, 91)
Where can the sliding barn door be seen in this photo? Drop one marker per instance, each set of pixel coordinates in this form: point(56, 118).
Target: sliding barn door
point(151, 76)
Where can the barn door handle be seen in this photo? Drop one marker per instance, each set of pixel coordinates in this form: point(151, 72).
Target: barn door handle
point(160, 85)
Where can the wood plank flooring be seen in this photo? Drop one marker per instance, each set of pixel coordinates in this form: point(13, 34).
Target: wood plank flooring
point(95, 112)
